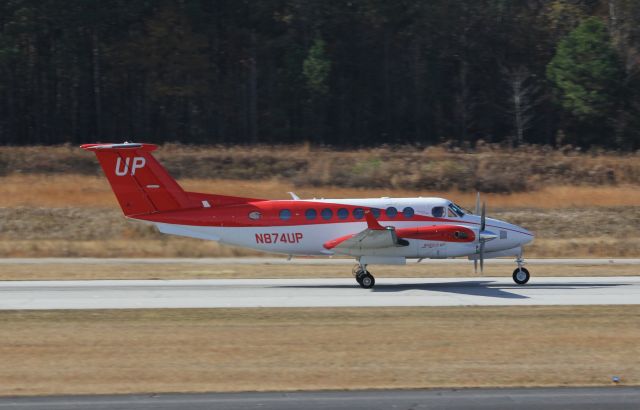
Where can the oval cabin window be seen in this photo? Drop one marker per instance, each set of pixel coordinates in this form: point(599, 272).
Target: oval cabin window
point(408, 212)
point(326, 214)
point(391, 212)
point(311, 214)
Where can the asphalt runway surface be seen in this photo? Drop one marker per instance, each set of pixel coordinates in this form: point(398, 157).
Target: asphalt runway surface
point(525, 399)
point(246, 293)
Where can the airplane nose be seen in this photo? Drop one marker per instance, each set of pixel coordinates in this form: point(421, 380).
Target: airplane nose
point(525, 235)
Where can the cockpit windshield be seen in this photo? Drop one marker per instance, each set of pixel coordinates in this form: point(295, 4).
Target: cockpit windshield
point(456, 209)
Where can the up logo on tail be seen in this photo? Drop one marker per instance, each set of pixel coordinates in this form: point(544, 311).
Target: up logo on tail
point(138, 162)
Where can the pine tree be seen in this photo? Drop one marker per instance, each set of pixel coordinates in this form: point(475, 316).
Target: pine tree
point(586, 71)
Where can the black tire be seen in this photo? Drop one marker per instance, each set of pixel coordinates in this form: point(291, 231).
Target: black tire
point(521, 276)
point(367, 280)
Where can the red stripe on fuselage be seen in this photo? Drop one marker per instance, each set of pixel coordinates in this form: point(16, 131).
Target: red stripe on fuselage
point(237, 216)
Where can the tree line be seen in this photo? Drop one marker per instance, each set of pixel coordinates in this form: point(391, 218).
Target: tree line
point(342, 73)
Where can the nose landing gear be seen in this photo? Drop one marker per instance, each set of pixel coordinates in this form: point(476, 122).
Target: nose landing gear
point(520, 275)
point(363, 277)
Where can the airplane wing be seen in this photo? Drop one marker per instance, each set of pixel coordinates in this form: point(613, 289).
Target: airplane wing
point(377, 236)
point(374, 237)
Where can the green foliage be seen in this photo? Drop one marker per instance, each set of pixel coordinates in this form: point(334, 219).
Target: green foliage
point(356, 73)
point(587, 71)
point(316, 68)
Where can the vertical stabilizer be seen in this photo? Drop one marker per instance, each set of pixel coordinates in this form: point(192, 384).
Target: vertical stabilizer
point(140, 183)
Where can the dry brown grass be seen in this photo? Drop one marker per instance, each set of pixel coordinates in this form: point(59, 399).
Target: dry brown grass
point(126, 351)
point(171, 247)
point(488, 168)
point(199, 271)
point(90, 191)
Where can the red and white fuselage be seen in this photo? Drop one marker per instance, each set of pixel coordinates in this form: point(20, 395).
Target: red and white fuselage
point(374, 230)
point(311, 225)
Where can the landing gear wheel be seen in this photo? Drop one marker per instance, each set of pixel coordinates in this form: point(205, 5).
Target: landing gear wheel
point(521, 276)
point(366, 280)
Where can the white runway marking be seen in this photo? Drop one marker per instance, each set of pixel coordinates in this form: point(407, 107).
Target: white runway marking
point(243, 293)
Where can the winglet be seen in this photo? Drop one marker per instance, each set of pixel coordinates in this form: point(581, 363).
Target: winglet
point(372, 223)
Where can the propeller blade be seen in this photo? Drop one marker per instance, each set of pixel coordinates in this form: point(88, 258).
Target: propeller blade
point(475, 265)
point(482, 257)
point(482, 218)
point(477, 212)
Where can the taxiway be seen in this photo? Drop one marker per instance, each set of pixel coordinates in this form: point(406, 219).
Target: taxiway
point(524, 399)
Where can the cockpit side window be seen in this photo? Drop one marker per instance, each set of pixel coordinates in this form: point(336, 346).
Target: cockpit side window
point(437, 211)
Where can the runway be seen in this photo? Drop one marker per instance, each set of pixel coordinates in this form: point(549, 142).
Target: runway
point(495, 399)
point(251, 293)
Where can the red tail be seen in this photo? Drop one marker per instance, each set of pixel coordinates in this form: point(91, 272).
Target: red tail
point(140, 183)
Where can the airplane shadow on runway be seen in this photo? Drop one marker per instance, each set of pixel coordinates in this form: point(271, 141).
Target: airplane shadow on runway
point(484, 288)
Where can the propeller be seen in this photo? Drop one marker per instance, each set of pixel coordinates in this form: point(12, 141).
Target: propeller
point(484, 236)
point(477, 211)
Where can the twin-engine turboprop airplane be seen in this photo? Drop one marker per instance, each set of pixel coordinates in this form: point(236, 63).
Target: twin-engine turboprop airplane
point(374, 231)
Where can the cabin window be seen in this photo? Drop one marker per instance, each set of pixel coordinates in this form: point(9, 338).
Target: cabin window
point(326, 214)
point(437, 211)
point(343, 213)
point(311, 214)
point(255, 215)
point(358, 213)
point(408, 212)
point(285, 214)
point(375, 212)
point(391, 212)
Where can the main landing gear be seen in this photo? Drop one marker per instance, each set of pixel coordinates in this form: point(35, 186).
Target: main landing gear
point(520, 275)
point(363, 277)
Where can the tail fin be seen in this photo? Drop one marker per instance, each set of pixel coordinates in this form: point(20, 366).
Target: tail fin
point(140, 183)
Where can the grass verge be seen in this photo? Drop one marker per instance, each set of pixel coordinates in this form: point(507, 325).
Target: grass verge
point(127, 351)
point(70, 190)
point(199, 271)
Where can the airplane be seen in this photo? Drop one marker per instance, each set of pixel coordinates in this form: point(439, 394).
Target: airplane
point(375, 231)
